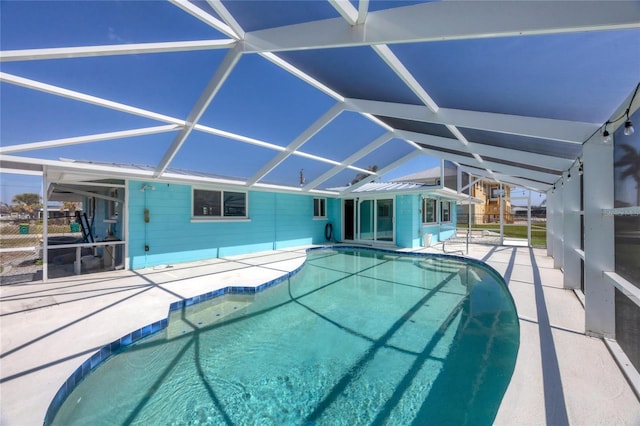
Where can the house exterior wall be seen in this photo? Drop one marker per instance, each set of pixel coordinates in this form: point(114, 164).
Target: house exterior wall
point(408, 221)
point(276, 220)
point(410, 230)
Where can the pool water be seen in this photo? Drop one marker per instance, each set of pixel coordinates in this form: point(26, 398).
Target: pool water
point(355, 338)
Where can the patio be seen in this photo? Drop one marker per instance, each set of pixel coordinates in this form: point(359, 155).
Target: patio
point(561, 376)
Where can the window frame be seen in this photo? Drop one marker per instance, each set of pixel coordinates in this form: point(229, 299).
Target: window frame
point(442, 210)
point(223, 216)
point(322, 203)
point(426, 200)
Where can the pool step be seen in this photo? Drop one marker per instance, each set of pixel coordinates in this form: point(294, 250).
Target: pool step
point(203, 315)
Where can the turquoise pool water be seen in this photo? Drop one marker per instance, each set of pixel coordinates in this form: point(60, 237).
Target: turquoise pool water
point(356, 337)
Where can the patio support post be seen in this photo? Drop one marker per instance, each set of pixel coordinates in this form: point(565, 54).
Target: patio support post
point(45, 226)
point(598, 238)
point(571, 228)
point(550, 202)
point(529, 243)
point(558, 220)
point(501, 201)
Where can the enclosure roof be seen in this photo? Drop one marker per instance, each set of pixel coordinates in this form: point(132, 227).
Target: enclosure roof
point(307, 95)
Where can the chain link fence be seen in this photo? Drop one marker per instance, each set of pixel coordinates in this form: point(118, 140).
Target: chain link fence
point(21, 248)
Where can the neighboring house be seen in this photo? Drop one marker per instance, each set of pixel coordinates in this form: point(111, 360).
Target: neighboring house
point(486, 210)
point(53, 212)
point(489, 210)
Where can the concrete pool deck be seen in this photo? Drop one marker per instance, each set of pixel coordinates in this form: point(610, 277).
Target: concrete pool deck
point(49, 329)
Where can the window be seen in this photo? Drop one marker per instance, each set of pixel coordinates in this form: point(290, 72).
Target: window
point(216, 204)
point(429, 210)
point(319, 207)
point(445, 211)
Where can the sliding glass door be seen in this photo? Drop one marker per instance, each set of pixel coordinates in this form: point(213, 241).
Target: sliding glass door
point(368, 220)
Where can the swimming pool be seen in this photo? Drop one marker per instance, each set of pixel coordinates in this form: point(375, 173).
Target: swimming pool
point(356, 337)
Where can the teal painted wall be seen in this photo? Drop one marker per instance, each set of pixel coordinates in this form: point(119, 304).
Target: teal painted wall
point(276, 220)
point(441, 231)
point(408, 221)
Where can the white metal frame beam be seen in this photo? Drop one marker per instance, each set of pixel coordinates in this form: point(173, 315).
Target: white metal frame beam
point(494, 167)
point(512, 155)
point(82, 97)
point(525, 183)
point(438, 21)
point(543, 128)
point(112, 50)
point(350, 160)
point(346, 10)
point(13, 149)
point(200, 14)
point(403, 73)
point(216, 82)
point(227, 17)
point(382, 171)
point(319, 124)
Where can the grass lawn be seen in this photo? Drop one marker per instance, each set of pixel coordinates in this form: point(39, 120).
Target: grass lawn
point(538, 231)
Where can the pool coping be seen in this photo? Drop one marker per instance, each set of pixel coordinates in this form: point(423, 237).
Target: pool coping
point(110, 349)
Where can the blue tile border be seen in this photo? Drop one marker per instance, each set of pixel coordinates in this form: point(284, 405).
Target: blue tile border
point(89, 365)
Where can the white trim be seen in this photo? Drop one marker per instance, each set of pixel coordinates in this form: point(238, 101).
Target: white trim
point(632, 375)
point(195, 11)
point(112, 50)
point(82, 97)
point(439, 21)
point(221, 217)
point(622, 211)
point(435, 212)
point(220, 220)
point(324, 208)
point(217, 80)
point(625, 286)
point(300, 140)
point(54, 143)
point(573, 132)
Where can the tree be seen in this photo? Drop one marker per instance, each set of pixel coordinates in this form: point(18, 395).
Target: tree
point(630, 160)
point(27, 203)
point(70, 206)
point(361, 176)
